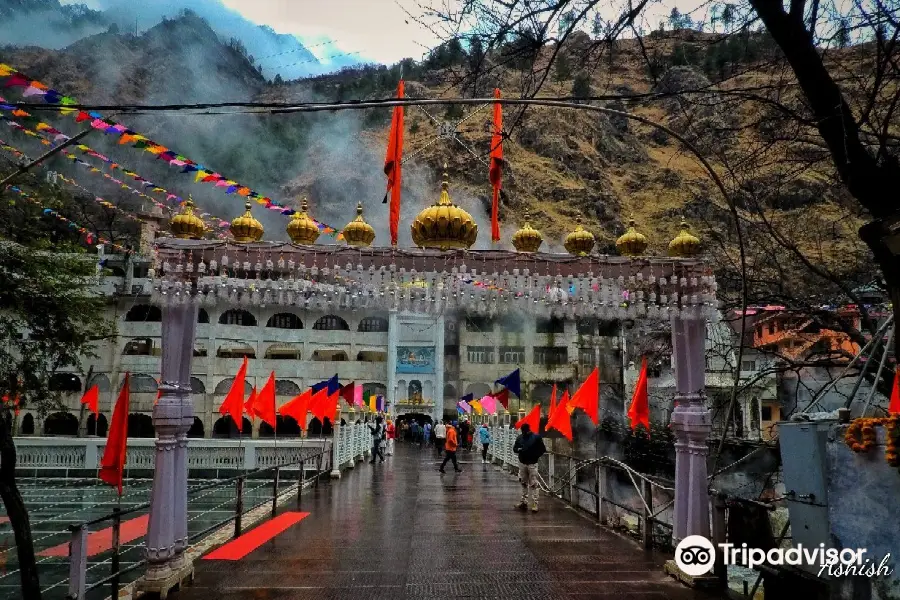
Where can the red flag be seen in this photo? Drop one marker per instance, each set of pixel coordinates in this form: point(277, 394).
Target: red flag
point(894, 406)
point(502, 397)
point(392, 166)
point(331, 406)
point(639, 413)
point(298, 407)
point(318, 405)
point(552, 404)
point(533, 419)
point(348, 391)
point(561, 421)
point(587, 397)
point(564, 401)
point(234, 402)
point(112, 466)
point(250, 404)
point(92, 399)
point(496, 167)
point(264, 405)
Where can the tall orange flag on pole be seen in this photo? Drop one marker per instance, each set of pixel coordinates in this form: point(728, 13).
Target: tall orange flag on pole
point(894, 406)
point(587, 397)
point(112, 465)
point(639, 413)
point(234, 402)
point(496, 167)
point(392, 166)
point(264, 406)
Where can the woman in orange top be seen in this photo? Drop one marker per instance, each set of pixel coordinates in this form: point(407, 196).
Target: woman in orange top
point(450, 447)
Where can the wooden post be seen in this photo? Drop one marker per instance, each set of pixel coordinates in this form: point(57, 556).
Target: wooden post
point(647, 531)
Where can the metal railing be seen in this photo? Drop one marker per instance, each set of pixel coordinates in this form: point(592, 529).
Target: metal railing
point(251, 490)
point(604, 487)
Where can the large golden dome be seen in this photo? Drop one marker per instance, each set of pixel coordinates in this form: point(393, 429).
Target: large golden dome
point(685, 244)
point(580, 242)
point(444, 225)
point(246, 228)
point(302, 229)
point(186, 225)
point(527, 239)
point(632, 242)
point(357, 232)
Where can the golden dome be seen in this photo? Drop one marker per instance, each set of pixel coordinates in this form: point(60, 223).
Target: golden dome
point(302, 229)
point(685, 244)
point(444, 225)
point(527, 239)
point(632, 242)
point(358, 232)
point(186, 225)
point(580, 242)
point(245, 228)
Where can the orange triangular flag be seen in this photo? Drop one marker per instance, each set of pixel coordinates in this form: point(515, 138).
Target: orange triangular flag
point(533, 419)
point(393, 166)
point(92, 399)
point(318, 405)
point(264, 406)
point(561, 421)
point(552, 403)
point(112, 466)
point(587, 397)
point(298, 407)
point(894, 406)
point(250, 404)
point(639, 413)
point(234, 402)
point(564, 401)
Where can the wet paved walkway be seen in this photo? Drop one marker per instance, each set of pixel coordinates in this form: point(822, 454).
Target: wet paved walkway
point(401, 530)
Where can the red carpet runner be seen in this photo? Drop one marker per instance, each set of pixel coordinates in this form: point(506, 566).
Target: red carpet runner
point(245, 544)
point(101, 541)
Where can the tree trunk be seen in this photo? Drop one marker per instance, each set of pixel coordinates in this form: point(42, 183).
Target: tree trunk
point(16, 511)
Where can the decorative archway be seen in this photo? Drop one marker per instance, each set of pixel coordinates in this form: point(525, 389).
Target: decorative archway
point(196, 430)
point(101, 381)
point(27, 427)
point(143, 313)
point(224, 427)
point(331, 323)
point(329, 355)
point(61, 423)
point(224, 386)
point(285, 320)
point(65, 382)
point(98, 425)
point(140, 426)
point(139, 347)
point(373, 325)
point(236, 316)
point(197, 386)
point(286, 427)
point(140, 383)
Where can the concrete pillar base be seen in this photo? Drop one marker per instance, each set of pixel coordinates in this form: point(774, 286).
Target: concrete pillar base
point(162, 581)
point(336, 474)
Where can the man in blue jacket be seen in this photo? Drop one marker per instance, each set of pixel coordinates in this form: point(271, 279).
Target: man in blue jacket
point(484, 437)
point(530, 447)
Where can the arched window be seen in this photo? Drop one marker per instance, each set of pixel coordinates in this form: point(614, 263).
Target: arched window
point(144, 313)
point(373, 324)
point(27, 427)
point(139, 347)
point(329, 355)
point(235, 350)
point(286, 387)
point(478, 390)
point(450, 391)
point(238, 317)
point(331, 323)
point(140, 426)
point(97, 426)
point(202, 316)
point(65, 382)
point(196, 430)
point(142, 384)
point(197, 386)
point(541, 392)
point(224, 386)
point(286, 426)
point(225, 427)
point(61, 423)
point(101, 381)
point(283, 351)
point(371, 356)
point(414, 390)
point(285, 321)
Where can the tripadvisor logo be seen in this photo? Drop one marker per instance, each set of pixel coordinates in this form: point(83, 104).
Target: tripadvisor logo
point(695, 556)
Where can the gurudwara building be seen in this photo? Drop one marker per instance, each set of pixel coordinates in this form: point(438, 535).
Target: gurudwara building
point(422, 327)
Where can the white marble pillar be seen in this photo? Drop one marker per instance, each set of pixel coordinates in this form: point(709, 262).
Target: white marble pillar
point(437, 411)
point(393, 340)
point(172, 416)
point(691, 424)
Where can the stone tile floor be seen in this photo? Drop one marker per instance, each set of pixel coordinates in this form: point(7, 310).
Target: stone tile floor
point(402, 530)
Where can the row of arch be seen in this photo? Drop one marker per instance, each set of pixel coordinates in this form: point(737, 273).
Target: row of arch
point(148, 313)
point(141, 426)
point(275, 351)
point(537, 392)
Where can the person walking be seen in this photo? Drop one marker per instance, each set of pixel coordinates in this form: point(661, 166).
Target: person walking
point(426, 437)
point(484, 437)
point(440, 436)
point(414, 432)
point(391, 434)
point(464, 434)
point(450, 447)
point(378, 435)
point(530, 447)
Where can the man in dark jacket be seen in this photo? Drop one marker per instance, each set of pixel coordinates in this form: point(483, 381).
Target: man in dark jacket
point(530, 447)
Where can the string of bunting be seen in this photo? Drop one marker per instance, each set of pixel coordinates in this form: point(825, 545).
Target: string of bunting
point(89, 236)
point(33, 88)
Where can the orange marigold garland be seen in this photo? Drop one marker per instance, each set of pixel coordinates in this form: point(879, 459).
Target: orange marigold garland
point(861, 437)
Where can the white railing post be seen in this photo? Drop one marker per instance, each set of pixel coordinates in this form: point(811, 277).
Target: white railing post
point(78, 562)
